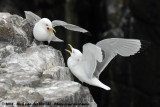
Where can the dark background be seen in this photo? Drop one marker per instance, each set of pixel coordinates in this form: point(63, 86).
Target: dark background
point(134, 81)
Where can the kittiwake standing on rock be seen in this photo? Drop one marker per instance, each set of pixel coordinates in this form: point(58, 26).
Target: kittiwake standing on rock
point(42, 27)
point(87, 66)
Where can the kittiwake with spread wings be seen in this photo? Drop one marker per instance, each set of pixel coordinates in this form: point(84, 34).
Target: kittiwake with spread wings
point(42, 27)
point(87, 66)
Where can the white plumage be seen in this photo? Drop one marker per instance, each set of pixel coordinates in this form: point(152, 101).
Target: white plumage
point(42, 27)
point(87, 66)
point(41, 32)
point(114, 46)
point(68, 26)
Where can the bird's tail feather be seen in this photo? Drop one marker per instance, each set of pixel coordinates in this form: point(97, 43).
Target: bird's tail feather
point(105, 87)
point(55, 39)
point(100, 84)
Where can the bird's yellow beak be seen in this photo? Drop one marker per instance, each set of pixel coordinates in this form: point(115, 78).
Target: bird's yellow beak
point(53, 29)
point(48, 29)
point(70, 47)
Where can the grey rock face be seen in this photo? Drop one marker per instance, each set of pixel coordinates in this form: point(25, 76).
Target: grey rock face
point(2, 92)
point(3, 65)
point(74, 93)
point(15, 30)
point(34, 74)
point(58, 73)
point(6, 83)
point(39, 75)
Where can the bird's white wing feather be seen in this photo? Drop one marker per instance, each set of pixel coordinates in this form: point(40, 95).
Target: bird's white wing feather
point(91, 54)
point(68, 26)
point(114, 46)
point(32, 17)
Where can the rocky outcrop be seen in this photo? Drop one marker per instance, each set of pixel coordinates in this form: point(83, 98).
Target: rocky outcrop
point(34, 75)
point(15, 30)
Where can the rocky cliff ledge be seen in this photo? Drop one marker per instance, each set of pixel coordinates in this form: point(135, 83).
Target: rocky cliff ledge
point(34, 75)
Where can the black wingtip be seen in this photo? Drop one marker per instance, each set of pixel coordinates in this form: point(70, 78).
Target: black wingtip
point(103, 54)
point(88, 33)
point(145, 45)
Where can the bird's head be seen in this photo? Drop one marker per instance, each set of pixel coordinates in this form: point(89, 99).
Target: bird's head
point(46, 23)
point(75, 53)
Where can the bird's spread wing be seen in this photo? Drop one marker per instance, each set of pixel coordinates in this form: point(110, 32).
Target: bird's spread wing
point(114, 46)
point(91, 54)
point(32, 17)
point(68, 26)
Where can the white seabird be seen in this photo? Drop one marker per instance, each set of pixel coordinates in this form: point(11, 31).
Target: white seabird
point(42, 27)
point(87, 66)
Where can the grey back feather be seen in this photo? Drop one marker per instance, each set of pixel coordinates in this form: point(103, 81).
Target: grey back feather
point(68, 26)
point(114, 46)
point(32, 17)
